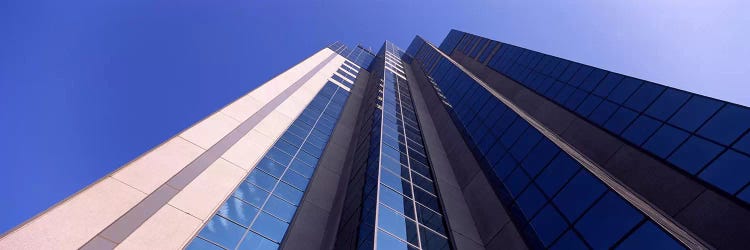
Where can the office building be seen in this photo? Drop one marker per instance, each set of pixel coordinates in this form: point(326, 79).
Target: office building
point(472, 144)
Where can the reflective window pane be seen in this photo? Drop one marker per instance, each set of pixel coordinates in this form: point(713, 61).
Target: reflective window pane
point(270, 227)
point(665, 140)
point(694, 154)
point(726, 125)
point(729, 172)
point(238, 211)
point(578, 194)
point(608, 221)
point(280, 208)
point(548, 225)
point(223, 232)
point(695, 112)
point(397, 225)
point(254, 241)
point(201, 244)
point(649, 236)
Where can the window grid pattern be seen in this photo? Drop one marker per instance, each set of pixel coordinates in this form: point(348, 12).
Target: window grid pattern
point(400, 208)
point(702, 137)
point(359, 55)
point(551, 198)
point(257, 214)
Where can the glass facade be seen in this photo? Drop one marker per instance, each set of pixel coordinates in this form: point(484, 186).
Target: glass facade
point(257, 214)
point(361, 56)
point(701, 136)
point(392, 202)
point(553, 200)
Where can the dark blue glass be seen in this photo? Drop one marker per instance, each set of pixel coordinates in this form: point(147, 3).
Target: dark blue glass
point(569, 72)
point(557, 173)
point(695, 112)
point(430, 219)
point(627, 87)
point(608, 84)
point(649, 236)
point(588, 105)
point(548, 225)
point(694, 154)
point(542, 154)
point(608, 221)
point(641, 129)
point(667, 104)
point(516, 181)
point(602, 113)
point(254, 241)
point(743, 144)
point(643, 97)
point(222, 232)
point(580, 75)
point(593, 80)
point(270, 227)
point(745, 195)
point(726, 125)
point(665, 140)
point(515, 130)
point(575, 99)
point(503, 167)
point(431, 241)
point(620, 120)
point(530, 201)
point(523, 145)
point(729, 172)
point(569, 241)
point(578, 194)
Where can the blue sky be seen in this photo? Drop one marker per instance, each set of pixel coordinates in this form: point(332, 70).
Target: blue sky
point(86, 86)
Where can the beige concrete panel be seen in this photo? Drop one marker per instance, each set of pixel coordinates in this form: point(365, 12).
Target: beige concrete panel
point(274, 124)
point(76, 220)
point(169, 228)
point(209, 131)
point(292, 107)
point(273, 87)
point(154, 168)
point(204, 194)
point(248, 150)
point(242, 108)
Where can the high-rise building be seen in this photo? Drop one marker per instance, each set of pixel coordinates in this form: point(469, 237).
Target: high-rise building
point(475, 144)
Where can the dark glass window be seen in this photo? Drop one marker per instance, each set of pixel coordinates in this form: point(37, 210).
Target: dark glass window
point(580, 75)
point(649, 236)
point(608, 221)
point(695, 112)
point(641, 129)
point(593, 80)
point(588, 105)
point(743, 144)
point(624, 90)
point(530, 201)
point(542, 154)
point(570, 240)
point(432, 241)
point(578, 194)
point(557, 173)
point(728, 124)
point(665, 140)
point(548, 225)
point(667, 104)
point(620, 120)
point(603, 112)
point(608, 84)
point(729, 172)
point(694, 154)
point(642, 97)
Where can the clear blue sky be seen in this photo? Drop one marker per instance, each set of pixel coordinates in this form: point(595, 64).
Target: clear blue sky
point(86, 86)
